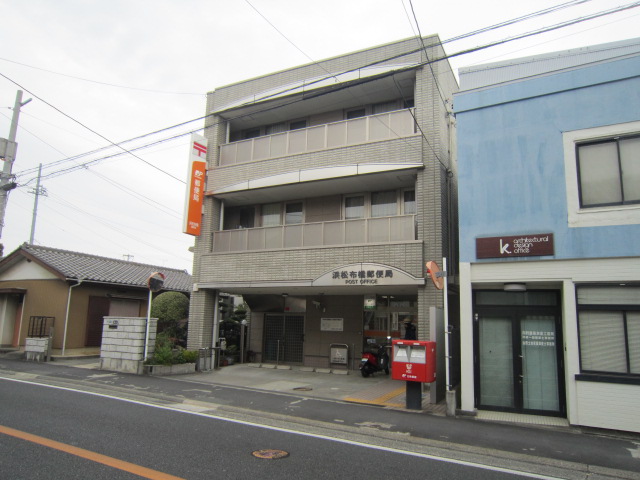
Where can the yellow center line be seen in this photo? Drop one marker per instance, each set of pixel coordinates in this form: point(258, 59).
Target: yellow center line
point(89, 455)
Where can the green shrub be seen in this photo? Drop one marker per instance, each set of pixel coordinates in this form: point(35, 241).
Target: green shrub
point(163, 355)
point(167, 353)
point(190, 356)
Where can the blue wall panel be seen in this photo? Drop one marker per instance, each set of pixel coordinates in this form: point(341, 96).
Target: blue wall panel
point(511, 159)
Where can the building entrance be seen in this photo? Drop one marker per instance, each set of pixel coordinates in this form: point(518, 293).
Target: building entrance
point(283, 338)
point(518, 352)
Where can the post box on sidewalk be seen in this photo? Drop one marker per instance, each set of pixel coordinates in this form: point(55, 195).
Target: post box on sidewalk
point(414, 361)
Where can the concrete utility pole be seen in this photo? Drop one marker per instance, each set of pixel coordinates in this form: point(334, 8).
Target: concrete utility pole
point(8, 149)
point(37, 192)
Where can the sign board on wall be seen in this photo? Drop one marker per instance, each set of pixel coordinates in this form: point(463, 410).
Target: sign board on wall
point(195, 185)
point(369, 274)
point(331, 324)
point(339, 354)
point(536, 244)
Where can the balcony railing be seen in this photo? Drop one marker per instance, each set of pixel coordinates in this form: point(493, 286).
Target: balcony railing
point(373, 128)
point(341, 232)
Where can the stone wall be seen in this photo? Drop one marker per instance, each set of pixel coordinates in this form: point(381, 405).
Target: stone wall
point(123, 343)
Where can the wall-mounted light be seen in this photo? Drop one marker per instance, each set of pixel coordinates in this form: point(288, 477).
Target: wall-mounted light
point(515, 287)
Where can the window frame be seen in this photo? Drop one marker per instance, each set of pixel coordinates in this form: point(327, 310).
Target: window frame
point(403, 201)
point(606, 215)
point(284, 212)
point(365, 202)
point(382, 192)
point(623, 309)
point(262, 214)
point(618, 161)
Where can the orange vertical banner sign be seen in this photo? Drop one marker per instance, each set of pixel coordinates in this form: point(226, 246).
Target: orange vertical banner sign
point(196, 181)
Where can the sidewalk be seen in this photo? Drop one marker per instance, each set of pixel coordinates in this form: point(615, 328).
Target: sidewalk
point(341, 385)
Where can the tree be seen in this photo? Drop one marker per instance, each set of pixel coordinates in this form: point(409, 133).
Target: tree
point(172, 311)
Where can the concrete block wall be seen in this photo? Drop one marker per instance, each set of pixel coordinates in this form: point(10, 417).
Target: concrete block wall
point(37, 348)
point(122, 347)
point(201, 314)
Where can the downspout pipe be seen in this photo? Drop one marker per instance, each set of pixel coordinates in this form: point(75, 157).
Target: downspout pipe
point(66, 319)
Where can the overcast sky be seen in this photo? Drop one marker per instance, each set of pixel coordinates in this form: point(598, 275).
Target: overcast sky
point(109, 71)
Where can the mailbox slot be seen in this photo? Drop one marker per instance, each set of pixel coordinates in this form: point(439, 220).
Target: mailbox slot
point(414, 361)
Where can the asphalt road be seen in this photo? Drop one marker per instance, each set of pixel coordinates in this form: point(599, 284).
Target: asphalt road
point(184, 445)
point(563, 453)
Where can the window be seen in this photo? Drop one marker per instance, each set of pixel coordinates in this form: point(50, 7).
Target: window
point(298, 124)
point(602, 175)
point(354, 207)
point(409, 202)
point(609, 171)
point(246, 216)
point(270, 214)
point(383, 204)
point(275, 128)
point(357, 113)
point(252, 133)
point(384, 107)
point(293, 213)
point(609, 329)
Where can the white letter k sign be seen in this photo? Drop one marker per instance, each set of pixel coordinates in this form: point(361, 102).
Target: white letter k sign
point(504, 248)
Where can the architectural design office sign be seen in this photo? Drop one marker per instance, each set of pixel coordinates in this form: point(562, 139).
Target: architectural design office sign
point(536, 244)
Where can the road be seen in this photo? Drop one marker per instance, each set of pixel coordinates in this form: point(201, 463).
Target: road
point(190, 429)
point(130, 440)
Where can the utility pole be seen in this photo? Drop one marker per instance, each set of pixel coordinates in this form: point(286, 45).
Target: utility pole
point(37, 192)
point(8, 149)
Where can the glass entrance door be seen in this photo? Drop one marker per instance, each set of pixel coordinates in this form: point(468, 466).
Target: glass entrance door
point(539, 354)
point(518, 359)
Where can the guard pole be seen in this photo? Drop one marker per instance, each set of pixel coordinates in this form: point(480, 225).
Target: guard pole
point(146, 333)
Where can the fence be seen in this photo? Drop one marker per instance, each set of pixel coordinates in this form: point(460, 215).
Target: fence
point(40, 326)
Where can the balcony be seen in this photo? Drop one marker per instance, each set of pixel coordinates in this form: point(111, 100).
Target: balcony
point(384, 126)
point(399, 228)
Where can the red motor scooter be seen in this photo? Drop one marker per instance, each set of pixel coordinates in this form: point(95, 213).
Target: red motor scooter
point(375, 361)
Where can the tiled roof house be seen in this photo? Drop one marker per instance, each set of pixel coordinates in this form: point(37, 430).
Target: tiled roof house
point(73, 291)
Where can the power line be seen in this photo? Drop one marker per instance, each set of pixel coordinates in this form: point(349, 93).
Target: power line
point(99, 82)
point(426, 54)
point(90, 129)
point(517, 20)
point(428, 62)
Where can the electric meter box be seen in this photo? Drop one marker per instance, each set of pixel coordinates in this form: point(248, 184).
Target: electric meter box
point(414, 361)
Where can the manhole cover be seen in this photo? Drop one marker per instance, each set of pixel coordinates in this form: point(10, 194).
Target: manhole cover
point(270, 454)
point(303, 389)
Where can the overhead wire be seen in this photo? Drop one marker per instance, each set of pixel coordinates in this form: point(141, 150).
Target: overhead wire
point(89, 128)
point(521, 18)
point(100, 82)
point(284, 91)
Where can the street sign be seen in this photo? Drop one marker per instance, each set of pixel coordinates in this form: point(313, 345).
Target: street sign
point(437, 277)
point(156, 281)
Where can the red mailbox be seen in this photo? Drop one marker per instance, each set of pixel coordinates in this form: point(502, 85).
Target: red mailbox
point(414, 361)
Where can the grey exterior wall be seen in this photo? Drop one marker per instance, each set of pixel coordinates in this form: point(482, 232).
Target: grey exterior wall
point(435, 189)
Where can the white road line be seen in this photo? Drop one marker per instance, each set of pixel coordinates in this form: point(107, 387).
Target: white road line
point(184, 409)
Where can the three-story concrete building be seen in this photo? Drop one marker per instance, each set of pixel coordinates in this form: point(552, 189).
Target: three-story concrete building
point(329, 186)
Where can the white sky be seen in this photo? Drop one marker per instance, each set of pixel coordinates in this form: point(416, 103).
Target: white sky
point(161, 57)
